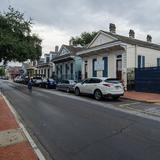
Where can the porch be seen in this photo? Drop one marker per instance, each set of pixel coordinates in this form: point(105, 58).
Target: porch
point(107, 60)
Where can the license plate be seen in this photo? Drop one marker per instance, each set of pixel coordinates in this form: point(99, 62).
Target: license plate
point(117, 87)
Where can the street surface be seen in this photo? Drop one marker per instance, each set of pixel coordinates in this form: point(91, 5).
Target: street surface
point(71, 128)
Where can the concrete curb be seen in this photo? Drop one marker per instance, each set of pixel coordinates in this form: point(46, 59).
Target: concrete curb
point(31, 141)
point(140, 100)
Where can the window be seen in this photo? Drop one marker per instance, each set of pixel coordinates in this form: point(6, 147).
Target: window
point(105, 71)
point(86, 81)
point(141, 61)
point(61, 69)
point(57, 70)
point(94, 72)
point(95, 80)
point(71, 68)
point(112, 80)
point(86, 69)
point(158, 62)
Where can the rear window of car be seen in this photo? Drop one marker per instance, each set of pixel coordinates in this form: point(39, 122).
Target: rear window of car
point(95, 80)
point(112, 80)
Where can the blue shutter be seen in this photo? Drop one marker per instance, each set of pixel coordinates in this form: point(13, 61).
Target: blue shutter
point(94, 73)
point(139, 61)
point(143, 61)
point(158, 62)
point(105, 71)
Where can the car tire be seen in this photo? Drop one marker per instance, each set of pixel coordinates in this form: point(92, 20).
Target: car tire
point(98, 95)
point(77, 91)
point(67, 90)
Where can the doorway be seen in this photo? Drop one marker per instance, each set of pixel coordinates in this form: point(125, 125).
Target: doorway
point(119, 67)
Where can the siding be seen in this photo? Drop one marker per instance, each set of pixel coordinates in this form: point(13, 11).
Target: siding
point(101, 39)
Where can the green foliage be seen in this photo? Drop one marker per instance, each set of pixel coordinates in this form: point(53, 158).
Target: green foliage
point(2, 71)
point(84, 39)
point(16, 41)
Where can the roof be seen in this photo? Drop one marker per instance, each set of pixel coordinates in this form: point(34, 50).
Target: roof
point(134, 41)
point(72, 52)
point(72, 49)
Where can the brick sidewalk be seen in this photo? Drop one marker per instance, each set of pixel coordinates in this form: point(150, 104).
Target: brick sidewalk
point(143, 96)
point(13, 143)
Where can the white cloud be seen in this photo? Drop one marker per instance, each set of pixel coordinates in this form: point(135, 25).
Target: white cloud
point(50, 36)
point(56, 21)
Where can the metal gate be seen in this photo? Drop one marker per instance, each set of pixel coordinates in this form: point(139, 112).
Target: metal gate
point(147, 79)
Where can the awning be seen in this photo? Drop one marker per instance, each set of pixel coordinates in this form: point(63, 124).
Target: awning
point(111, 46)
point(64, 58)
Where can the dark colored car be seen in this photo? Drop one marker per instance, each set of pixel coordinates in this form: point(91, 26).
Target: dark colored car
point(48, 83)
point(66, 85)
point(37, 81)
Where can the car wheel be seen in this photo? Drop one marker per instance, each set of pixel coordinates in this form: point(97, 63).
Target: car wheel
point(46, 86)
point(77, 91)
point(115, 97)
point(67, 90)
point(98, 95)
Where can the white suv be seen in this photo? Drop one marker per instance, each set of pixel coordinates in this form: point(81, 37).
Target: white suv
point(100, 87)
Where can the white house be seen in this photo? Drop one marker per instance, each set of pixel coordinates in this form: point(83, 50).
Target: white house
point(46, 68)
point(116, 56)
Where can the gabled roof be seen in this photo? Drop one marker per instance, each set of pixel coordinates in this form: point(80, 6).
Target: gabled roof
point(72, 50)
point(133, 41)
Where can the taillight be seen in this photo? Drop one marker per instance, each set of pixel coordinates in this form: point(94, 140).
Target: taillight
point(107, 85)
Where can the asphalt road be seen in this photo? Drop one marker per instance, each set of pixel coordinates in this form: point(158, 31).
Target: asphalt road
point(75, 129)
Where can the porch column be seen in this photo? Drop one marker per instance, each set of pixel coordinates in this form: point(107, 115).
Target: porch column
point(124, 68)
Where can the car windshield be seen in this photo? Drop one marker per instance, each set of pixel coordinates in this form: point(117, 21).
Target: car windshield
point(112, 80)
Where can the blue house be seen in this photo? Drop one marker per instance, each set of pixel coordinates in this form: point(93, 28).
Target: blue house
point(67, 63)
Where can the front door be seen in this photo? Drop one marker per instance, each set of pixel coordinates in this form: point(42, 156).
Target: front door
point(119, 67)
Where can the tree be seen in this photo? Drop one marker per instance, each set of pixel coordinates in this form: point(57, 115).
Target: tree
point(16, 41)
point(84, 39)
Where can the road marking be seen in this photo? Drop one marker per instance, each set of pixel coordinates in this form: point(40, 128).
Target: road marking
point(31, 141)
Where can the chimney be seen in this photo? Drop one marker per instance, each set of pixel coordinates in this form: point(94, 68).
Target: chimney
point(131, 33)
point(56, 48)
point(112, 28)
point(149, 38)
point(71, 42)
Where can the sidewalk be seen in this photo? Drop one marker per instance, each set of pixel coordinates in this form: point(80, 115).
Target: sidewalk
point(13, 143)
point(143, 96)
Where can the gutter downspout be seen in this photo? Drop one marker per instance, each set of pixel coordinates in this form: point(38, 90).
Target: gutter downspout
point(135, 56)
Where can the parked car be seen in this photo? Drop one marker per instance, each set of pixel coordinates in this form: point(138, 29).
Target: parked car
point(66, 85)
point(48, 83)
point(100, 87)
point(25, 80)
point(37, 81)
point(18, 79)
point(4, 77)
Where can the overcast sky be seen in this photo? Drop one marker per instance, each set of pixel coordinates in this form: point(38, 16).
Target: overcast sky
point(57, 20)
